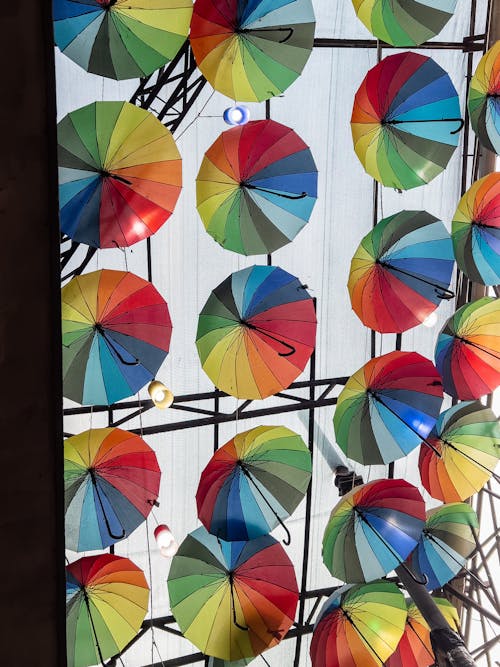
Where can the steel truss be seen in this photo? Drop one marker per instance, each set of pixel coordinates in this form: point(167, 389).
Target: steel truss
point(170, 94)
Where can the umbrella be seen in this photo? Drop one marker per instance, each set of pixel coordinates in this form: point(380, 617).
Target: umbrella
point(256, 187)
point(251, 51)
point(111, 481)
point(405, 120)
point(217, 662)
point(256, 332)
point(467, 440)
point(415, 648)
point(119, 174)
point(232, 599)
point(403, 23)
point(253, 483)
point(475, 231)
point(483, 100)
point(445, 544)
point(387, 407)
point(372, 529)
point(121, 39)
point(468, 350)
point(359, 626)
point(116, 332)
point(401, 271)
point(106, 601)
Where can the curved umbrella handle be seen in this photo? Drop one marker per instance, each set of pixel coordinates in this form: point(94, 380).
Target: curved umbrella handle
point(106, 521)
point(444, 293)
point(460, 127)
point(414, 576)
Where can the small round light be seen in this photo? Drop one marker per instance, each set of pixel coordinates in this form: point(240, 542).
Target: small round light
point(430, 320)
point(165, 541)
point(160, 395)
point(236, 115)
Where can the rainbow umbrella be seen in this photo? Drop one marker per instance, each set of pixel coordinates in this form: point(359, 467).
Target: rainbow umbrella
point(372, 529)
point(251, 51)
point(468, 350)
point(446, 542)
point(111, 481)
point(359, 626)
point(405, 121)
point(466, 442)
point(483, 100)
point(404, 23)
point(253, 483)
point(256, 332)
point(415, 648)
point(106, 601)
point(401, 271)
point(387, 407)
point(475, 231)
point(121, 39)
point(256, 187)
point(232, 599)
point(119, 174)
point(116, 332)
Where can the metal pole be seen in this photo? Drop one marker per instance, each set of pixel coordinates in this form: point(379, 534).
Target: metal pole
point(449, 648)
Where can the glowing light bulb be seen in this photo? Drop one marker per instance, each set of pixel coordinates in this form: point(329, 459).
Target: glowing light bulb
point(236, 115)
point(159, 395)
point(166, 541)
point(430, 320)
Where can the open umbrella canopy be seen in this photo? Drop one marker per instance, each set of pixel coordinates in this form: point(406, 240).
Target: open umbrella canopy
point(256, 332)
point(484, 99)
point(121, 39)
point(387, 407)
point(468, 350)
point(404, 23)
point(106, 601)
point(116, 332)
point(405, 120)
point(466, 441)
point(251, 51)
point(253, 483)
point(359, 626)
point(111, 481)
point(475, 231)
point(256, 187)
point(372, 529)
point(401, 271)
point(415, 648)
point(119, 174)
point(446, 542)
point(232, 599)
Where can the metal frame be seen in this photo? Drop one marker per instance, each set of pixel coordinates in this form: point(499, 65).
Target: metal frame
point(170, 94)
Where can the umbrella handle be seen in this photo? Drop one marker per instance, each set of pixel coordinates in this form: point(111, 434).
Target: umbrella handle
point(412, 574)
point(233, 606)
point(108, 340)
point(98, 646)
point(291, 348)
point(273, 192)
point(460, 127)
point(106, 521)
point(252, 30)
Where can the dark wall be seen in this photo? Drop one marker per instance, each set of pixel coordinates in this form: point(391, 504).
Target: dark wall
point(31, 529)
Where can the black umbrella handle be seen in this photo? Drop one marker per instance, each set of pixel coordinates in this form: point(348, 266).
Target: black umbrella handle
point(393, 412)
point(106, 521)
point(250, 186)
point(291, 349)
point(233, 606)
point(389, 548)
point(100, 330)
point(96, 640)
point(351, 621)
point(247, 474)
point(429, 120)
point(241, 31)
point(441, 292)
